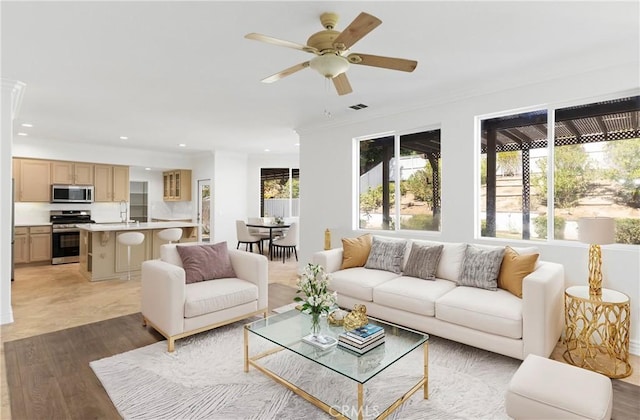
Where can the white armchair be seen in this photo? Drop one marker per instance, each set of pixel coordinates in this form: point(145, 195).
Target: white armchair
point(176, 309)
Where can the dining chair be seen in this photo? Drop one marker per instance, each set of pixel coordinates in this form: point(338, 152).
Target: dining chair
point(246, 238)
point(262, 233)
point(286, 244)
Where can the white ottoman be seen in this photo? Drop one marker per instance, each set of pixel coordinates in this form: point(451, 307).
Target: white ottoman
point(546, 389)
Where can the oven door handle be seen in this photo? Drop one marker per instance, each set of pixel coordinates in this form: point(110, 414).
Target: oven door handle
point(65, 230)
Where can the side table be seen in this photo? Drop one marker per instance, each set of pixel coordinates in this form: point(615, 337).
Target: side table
point(597, 331)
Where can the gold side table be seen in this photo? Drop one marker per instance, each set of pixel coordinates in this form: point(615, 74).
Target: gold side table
point(597, 331)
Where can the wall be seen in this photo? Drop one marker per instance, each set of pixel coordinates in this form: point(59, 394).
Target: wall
point(230, 201)
point(327, 177)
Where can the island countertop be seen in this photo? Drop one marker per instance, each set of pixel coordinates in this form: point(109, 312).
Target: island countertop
point(117, 227)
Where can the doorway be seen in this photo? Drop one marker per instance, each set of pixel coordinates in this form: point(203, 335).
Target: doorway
point(138, 200)
point(204, 210)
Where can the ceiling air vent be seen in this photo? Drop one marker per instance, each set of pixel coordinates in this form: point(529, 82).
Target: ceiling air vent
point(359, 106)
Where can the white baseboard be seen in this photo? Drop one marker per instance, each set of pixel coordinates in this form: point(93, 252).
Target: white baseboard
point(634, 347)
point(6, 317)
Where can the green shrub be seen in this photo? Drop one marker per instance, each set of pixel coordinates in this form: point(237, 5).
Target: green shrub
point(418, 222)
point(540, 226)
point(628, 231)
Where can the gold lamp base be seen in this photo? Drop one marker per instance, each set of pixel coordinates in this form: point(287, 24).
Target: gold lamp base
point(595, 271)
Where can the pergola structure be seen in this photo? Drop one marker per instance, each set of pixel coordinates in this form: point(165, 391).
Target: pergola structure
point(426, 143)
point(603, 121)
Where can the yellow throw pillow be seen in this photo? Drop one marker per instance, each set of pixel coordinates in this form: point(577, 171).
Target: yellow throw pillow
point(514, 269)
point(355, 251)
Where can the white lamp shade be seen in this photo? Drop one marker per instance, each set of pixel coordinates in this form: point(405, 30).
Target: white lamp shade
point(596, 230)
point(329, 65)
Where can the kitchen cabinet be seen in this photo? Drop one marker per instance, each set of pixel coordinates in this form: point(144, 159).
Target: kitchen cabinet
point(32, 244)
point(21, 245)
point(177, 185)
point(73, 173)
point(32, 180)
point(111, 183)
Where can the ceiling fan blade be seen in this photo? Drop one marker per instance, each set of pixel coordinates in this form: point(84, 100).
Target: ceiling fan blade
point(286, 72)
point(280, 42)
point(383, 62)
point(361, 26)
point(342, 84)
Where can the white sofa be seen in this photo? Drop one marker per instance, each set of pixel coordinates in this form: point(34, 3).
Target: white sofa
point(176, 309)
point(497, 321)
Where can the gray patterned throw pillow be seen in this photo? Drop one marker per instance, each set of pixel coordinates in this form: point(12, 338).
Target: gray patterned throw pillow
point(480, 268)
point(423, 261)
point(386, 254)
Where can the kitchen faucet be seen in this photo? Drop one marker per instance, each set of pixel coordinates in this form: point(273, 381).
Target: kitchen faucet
point(124, 209)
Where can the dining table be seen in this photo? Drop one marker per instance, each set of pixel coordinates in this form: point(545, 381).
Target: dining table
point(271, 227)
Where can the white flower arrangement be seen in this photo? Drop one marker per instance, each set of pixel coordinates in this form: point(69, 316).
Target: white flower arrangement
point(314, 284)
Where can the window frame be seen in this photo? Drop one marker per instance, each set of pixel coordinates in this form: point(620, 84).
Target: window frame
point(396, 134)
point(551, 109)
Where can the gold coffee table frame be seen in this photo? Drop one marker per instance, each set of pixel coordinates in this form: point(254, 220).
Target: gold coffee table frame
point(253, 361)
point(597, 331)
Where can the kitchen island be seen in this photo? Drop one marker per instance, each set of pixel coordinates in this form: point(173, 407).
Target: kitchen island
point(103, 258)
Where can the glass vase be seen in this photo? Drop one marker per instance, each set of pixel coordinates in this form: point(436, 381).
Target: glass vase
point(315, 324)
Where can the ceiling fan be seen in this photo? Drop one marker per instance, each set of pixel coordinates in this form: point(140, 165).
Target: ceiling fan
point(331, 48)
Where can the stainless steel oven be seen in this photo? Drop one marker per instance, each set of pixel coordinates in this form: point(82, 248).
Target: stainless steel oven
point(65, 235)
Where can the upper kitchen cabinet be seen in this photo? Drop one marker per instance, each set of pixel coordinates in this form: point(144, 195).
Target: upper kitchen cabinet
point(111, 183)
point(177, 185)
point(74, 173)
point(32, 180)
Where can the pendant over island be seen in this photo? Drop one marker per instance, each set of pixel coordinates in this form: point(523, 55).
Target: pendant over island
point(103, 258)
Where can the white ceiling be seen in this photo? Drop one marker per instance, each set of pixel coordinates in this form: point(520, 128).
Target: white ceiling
point(164, 73)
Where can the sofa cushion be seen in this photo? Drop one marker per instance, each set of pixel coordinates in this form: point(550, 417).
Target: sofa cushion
point(359, 282)
point(450, 259)
point(205, 262)
point(215, 295)
point(514, 269)
point(355, 251)
point(386, 254)
point(494, 312)
point(423, 261)
point(480, 268)
point(412, 294)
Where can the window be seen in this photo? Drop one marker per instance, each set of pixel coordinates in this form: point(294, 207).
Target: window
point(414, 159)
point(595, 171)
point(279, 192)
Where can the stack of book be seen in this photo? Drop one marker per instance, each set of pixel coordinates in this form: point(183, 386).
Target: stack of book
point(362, 339)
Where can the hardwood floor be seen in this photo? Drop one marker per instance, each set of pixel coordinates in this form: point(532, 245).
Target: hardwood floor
point(57, 377)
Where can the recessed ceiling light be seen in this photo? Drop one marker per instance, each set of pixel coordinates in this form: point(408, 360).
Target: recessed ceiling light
point(26, 125)
point(124, 138)
point(297, 144)
point(147, 169)
point(182, 145)
point(267, 150)
point(22, 134)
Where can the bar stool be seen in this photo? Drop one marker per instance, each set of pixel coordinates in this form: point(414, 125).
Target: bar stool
point(130, 239)
point(171, 235)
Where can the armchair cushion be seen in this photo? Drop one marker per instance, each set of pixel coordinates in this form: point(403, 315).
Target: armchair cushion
point(205, 262)
point(201, 298)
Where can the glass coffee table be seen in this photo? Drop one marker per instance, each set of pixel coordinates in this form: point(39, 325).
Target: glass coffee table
point(286, 331)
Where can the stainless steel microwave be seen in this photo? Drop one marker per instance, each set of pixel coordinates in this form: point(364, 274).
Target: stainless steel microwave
point(72, 193)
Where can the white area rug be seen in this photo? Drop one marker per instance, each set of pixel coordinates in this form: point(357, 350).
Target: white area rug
point(204, 379)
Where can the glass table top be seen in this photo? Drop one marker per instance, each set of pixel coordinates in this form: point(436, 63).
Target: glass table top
point(288, 328)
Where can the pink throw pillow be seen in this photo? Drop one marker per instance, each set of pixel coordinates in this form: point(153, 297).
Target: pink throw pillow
point(205, 262)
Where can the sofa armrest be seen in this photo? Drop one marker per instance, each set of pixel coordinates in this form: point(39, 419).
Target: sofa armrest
point(542, 309)
point(330, 259)
point(254, 268)
point(163, 295)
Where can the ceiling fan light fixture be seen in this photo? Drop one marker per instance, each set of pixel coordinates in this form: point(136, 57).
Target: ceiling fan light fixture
point(329, 65)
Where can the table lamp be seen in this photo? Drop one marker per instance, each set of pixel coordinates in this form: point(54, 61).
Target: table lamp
point(596, 231)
